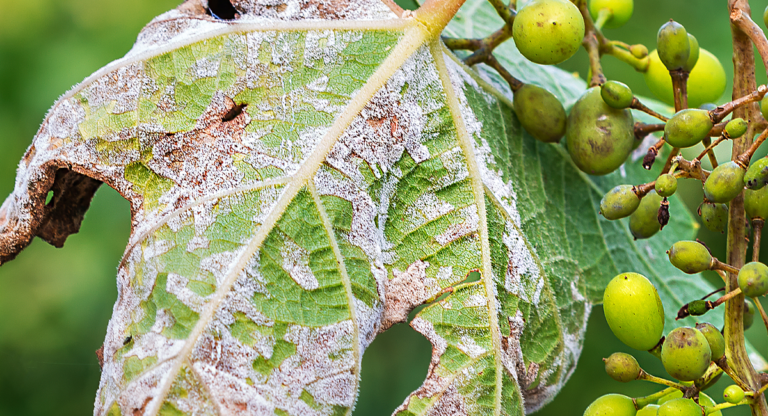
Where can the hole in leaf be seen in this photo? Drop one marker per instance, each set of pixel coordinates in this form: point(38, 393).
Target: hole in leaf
point(394, 365)
point(234, 112)
point(49, 198)
point(222, 9)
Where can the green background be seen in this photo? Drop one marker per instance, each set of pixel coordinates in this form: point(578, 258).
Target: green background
point(55, 304)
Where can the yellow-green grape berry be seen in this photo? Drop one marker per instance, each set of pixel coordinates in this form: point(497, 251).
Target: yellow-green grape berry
point(753, 279)
point(548, 32)
point(666, 185)
point(764, 106)
point(685, 354)
point(687, 127)
point(733, 394)
point(706, 82)
point(690, 256)
point(680, 407)
point(704, 400)
point(765, 17)
point(757, 174)
point(714, 338)
point(736, 128)
point(649, 410)
point(749, 314)
point(540, 112)
point(621, 11)
point(611, 405)
point(622, 367)
point(724, 183)
point(599, 137)
point(694, 55)
point(619, 202)
point(638, 51)
point(756, 203)
point(673, 45)
point(644, 223)
point(634, 311)
point(714, 216)
point(616, 94)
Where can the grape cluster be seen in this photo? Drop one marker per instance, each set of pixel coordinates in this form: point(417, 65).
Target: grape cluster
point(600, 133)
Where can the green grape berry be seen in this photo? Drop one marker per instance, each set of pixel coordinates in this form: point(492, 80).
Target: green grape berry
point(704, 400)
point(706, 82)
point(753, 279)
point(714, 216)
point(690, 256)
point(733, 394)
point(540, 112)
point(765, 17)
point(611, 405)
point(756, 203)
point(764, 106)
point(736, 128)
point(621, 11)
point(693, 57)
point(673, 45)
point(599, 137)
point(714, 338)
point(649, 410)
point(749, 314)
point(644, 223)
point(638, 51)
point(685, 354)
point(634, 311)
point(548, 32)
point(616, 94)
point(680, 407)
point(619, 202)
point(724, 183)
point(622, 367)
point(666, 185)
point(757, 174)
point(688, 127)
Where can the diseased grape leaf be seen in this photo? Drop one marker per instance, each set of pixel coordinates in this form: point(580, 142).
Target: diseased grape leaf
point(300, 179)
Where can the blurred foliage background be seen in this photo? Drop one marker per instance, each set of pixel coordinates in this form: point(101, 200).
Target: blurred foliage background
point(55, 304)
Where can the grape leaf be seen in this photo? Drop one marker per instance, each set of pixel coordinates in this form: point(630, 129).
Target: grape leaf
point(300, 179)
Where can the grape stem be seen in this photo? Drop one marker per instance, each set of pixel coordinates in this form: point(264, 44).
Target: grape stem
point(602, 17)
point(488, 44)
point(680, 88)
point(712, 158)
point(505, 12)
point(713, 409)
point(724, 364)
point(658, 380)
point(709, 148)
point(744, 158)
point(514, 83)
point(747, 26)
point(591, 44)
point(762, 311)
point(637, 105)
point(757, 227)
point(641, 402)
point(718, 114)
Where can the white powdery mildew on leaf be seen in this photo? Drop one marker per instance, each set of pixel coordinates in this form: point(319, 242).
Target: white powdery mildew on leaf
point(296, 263)
point(314, 9)
point(324, 365)
point(522, 278)
point(232, 395)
